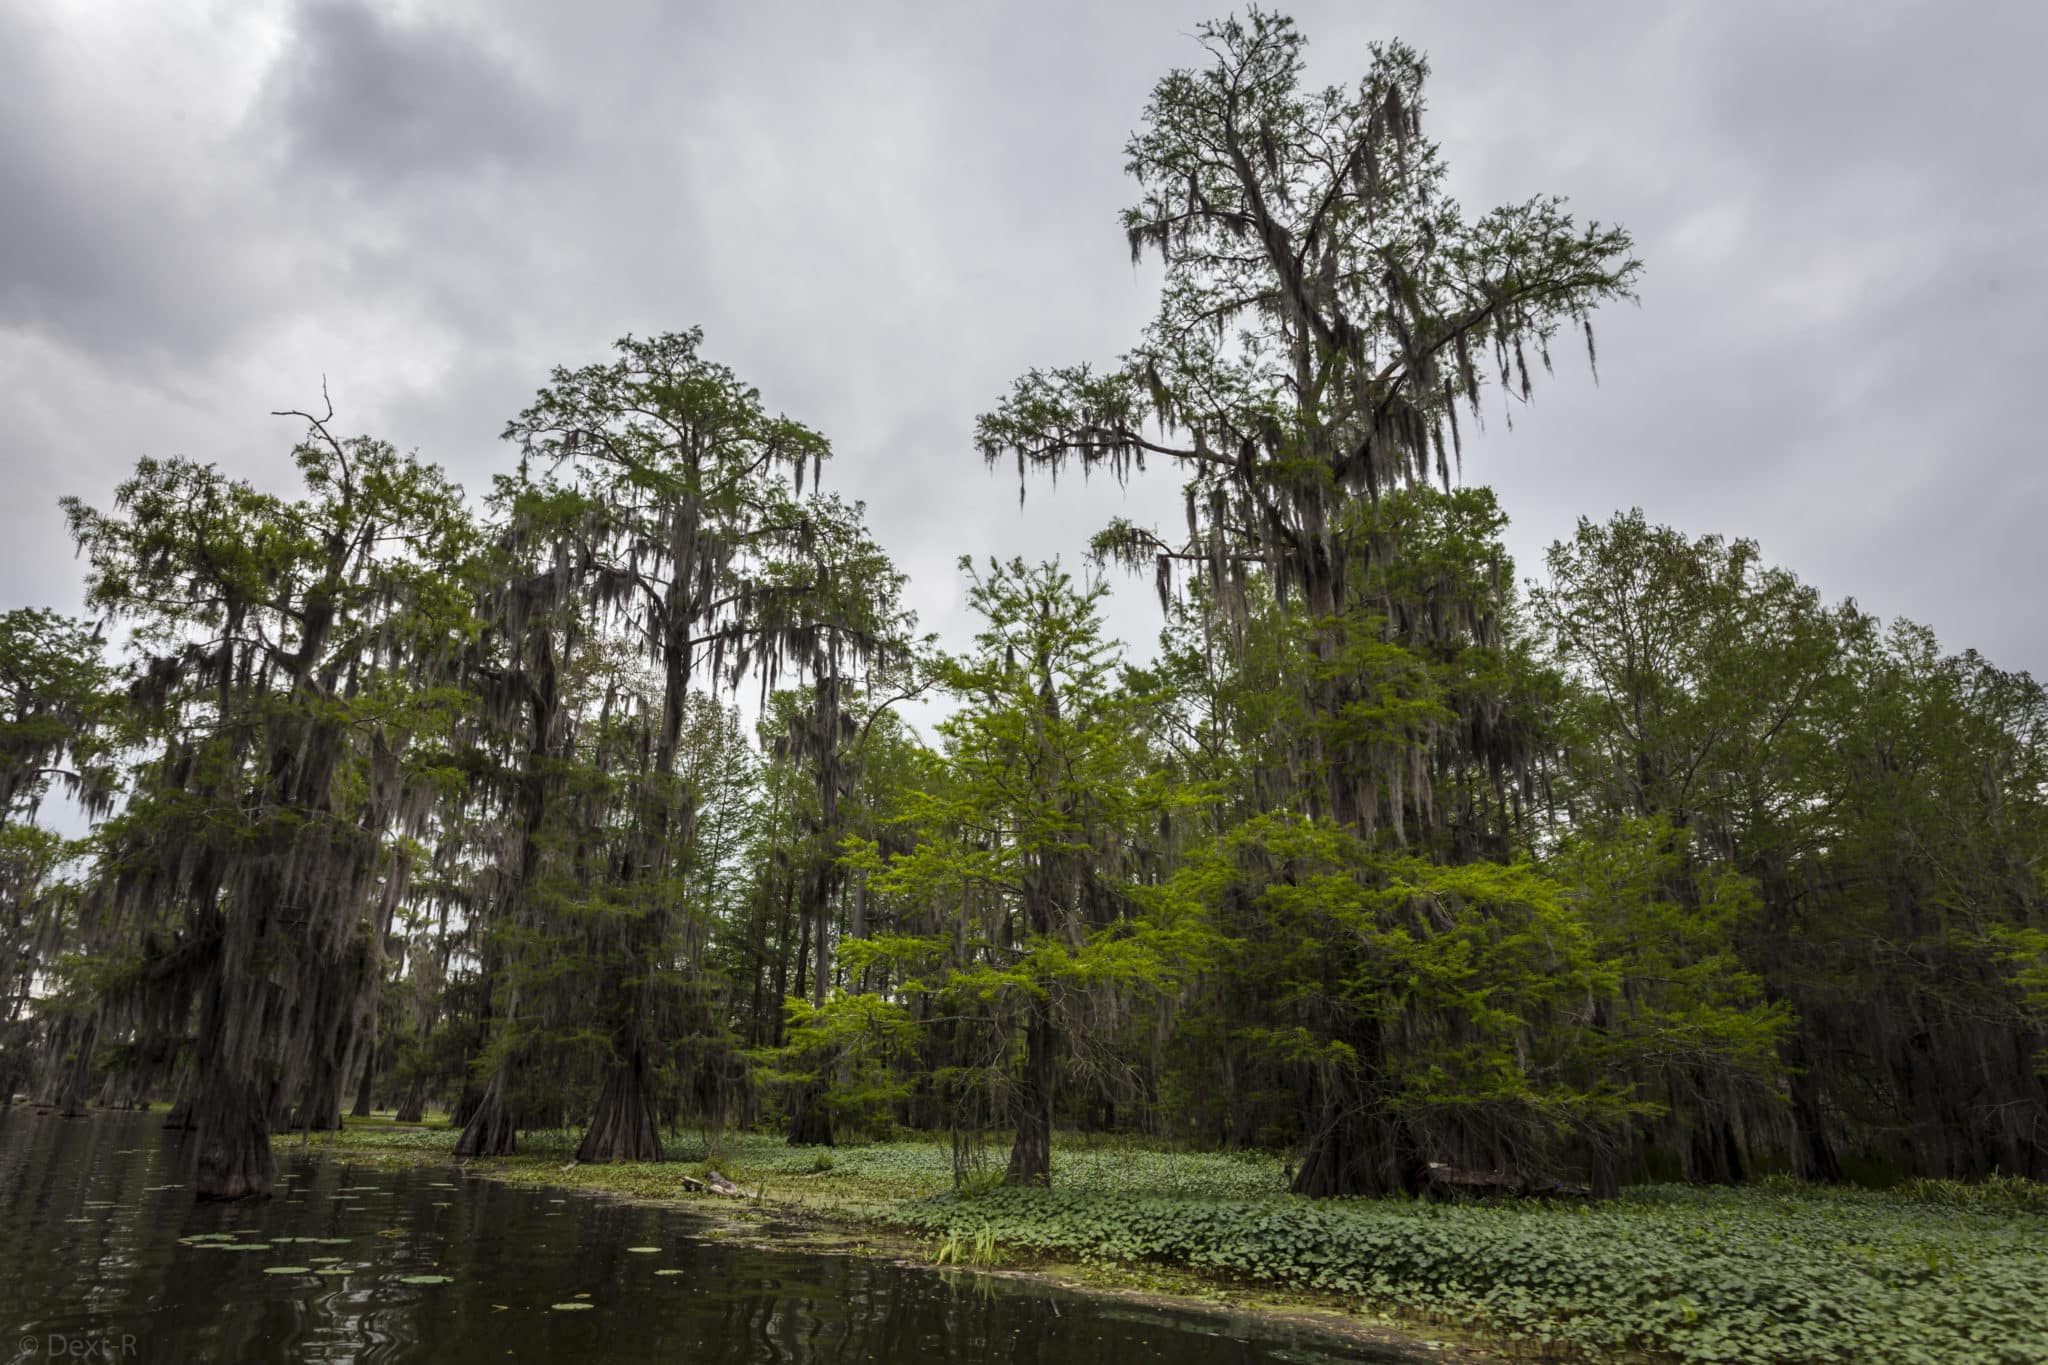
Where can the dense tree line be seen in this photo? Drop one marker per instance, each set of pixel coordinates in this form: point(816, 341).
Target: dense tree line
point(1662, 867)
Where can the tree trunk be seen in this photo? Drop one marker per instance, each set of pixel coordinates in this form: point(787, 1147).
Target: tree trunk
point(1603, 1171)
point(234, 1137)
point(412, 1105)
point(490, 1129)
point(1031, 1153)
point(72, 1103)
point(810, 1121)
point(780, 1020)
point(78, 1072)
point(623, 1127)
point(803, 955)
point(1814, 1154)
point(1716, 1155)
point(319, 1108)
point(1357, 1149)
point(363, 1088)
point(821, 938)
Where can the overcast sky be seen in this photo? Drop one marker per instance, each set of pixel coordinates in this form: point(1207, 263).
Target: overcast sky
point(880, 214)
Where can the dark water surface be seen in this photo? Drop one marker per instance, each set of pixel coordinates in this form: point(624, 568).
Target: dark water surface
point(105, 1255)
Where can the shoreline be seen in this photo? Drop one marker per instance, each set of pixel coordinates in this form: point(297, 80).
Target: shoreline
point(859, 1228)
point(1776, 1272)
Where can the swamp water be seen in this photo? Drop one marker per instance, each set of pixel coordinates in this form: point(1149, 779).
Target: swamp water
point(105, 1255)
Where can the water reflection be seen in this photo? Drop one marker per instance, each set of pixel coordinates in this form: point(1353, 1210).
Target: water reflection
point(105, 1255)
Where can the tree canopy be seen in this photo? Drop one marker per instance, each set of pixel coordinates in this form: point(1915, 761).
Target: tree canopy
point(592, 803)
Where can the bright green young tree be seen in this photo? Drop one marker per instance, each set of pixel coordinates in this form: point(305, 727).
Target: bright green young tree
point(1031, 862)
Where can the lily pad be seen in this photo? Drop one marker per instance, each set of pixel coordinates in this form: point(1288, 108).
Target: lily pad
point(570, 1307)
point(287, 1270)
point(644, 1251)
point(323, 1260)
point(424, 1279)
point(668, 1272)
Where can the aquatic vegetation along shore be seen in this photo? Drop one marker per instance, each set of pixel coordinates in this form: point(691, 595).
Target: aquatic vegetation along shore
point(1768, 1274)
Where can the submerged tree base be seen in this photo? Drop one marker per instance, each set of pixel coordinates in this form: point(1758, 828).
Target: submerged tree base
point(235, 1160)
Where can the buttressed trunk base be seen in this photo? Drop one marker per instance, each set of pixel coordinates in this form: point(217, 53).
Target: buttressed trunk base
point(623, 1127)
point(235, 1160)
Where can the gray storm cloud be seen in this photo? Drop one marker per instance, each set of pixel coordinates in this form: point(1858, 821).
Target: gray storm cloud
point(881, 214)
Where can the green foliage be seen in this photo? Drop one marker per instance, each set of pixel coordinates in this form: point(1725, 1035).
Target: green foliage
point(1472, 975)
point(1022, 862)
point(1852, 825)
point(853, 1043)
point(57, 704)
point(955, 1249)
point(1685, 998)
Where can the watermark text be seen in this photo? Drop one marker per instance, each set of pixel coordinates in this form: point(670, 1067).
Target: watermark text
point(80, 1346)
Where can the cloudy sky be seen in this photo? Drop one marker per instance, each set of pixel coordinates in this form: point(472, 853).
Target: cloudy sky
point(881, 213)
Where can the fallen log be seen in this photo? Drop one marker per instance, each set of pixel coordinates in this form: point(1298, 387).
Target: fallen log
point(1442, 1179)
point(714, 1183)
